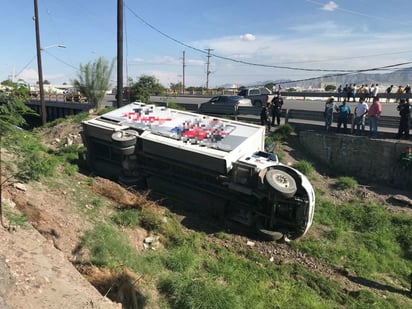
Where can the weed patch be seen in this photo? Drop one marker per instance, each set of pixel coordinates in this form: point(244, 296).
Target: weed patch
point(126, 217)
point(345, 182)
point(304, 167)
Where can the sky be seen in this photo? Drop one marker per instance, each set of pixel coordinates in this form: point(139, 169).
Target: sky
point(250, 42)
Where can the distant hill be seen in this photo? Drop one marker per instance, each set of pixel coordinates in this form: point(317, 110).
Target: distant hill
point(396, 78)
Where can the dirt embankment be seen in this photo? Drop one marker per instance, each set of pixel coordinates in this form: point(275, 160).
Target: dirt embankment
point(36, 269)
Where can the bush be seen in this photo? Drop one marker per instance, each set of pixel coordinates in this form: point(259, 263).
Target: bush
point(304, 167)
point(344, 183)
point(33, 161)
point(283, 131)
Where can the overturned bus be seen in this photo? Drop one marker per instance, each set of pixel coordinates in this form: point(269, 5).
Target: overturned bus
point(211, 162)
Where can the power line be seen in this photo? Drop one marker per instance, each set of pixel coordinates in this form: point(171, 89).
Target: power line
point(28, 63)
point(344, 71)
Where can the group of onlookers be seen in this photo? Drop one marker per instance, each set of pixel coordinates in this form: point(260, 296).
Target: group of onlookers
point(352, 91)
point(400, 90)
point(363, 111)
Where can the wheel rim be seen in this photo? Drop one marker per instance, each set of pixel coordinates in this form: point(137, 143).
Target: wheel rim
point(281, 181)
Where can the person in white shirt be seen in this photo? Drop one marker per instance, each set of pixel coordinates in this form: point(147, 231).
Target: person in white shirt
point(361, 110)
point(375, 91)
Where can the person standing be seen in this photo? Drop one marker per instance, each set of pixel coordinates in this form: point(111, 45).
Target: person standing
point(407, 90)
point(405, 112)
point(343, 116)
point(354, 92)
point(375, 91)
point(264, 116)
point(361, 110)
point(330, 107)
point(399, 92)
point(340, 91)
point(388, 91)
point(277, 104)
point(374, 113)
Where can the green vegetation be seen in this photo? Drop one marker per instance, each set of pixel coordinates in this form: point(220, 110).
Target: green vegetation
point(280, 134)
point(144, 88)
point(126, 217)
point(380, 241)
point(304, 167)
point(94, 79)
point(175, 106)
point(32, 159)
point(345, 182)
point(195, 270)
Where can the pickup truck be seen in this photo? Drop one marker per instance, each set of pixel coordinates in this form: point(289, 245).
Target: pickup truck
point(259, 95)
point(206, 162)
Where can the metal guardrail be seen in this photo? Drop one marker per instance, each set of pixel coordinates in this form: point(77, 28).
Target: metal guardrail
point(305, 118)
point(341, 96)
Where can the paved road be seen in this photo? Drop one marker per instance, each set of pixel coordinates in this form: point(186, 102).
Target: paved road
point(388, 109)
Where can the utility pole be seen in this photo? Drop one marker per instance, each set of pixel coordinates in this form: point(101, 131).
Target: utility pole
point(184, 65)
point(119, 53)
point(39, 64)
point(207, 69)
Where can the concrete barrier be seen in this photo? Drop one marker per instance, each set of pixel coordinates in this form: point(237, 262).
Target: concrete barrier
point(366, 159)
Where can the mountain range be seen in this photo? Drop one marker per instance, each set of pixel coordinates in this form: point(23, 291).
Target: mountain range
point(396, 78)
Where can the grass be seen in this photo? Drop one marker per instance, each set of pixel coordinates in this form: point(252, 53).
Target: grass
point(126, 218)
point(304, 167)
point(380, 241)
point(197, 273)
point(346, 182)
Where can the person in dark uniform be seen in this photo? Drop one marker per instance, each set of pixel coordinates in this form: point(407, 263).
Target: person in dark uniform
point(277, 103)
point(405, 112)
point(264, 116)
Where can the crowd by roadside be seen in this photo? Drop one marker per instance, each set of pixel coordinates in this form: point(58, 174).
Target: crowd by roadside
point(368, 92)
point(363, 111)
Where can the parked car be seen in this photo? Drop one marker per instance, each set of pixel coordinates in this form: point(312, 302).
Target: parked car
point(224, 104)
point(259, 95)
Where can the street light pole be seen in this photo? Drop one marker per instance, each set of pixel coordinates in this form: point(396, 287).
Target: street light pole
point(54, 45)
point(39, 64)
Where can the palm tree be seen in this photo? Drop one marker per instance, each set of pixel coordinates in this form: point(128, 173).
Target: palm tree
point(94, 80)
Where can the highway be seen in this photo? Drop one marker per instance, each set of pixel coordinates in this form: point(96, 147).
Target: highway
point(388, 109)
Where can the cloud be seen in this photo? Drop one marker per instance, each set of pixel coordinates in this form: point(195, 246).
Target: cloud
point(29, 75)
point(331, 6)
point(247, 37)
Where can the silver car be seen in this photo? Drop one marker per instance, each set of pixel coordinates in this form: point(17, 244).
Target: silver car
point(224, 104)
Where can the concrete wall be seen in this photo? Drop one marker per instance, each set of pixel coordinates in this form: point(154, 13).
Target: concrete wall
point(371, 160)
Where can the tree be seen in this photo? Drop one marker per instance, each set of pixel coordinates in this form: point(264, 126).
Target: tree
point(176, 88)
point(270, 85)
point(94, 80)
point(144, 88)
